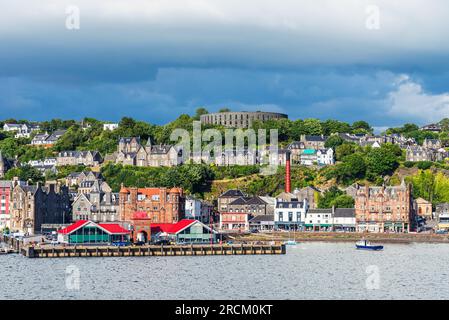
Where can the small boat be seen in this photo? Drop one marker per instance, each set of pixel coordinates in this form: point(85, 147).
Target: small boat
point(290, 243)
point(366, 245)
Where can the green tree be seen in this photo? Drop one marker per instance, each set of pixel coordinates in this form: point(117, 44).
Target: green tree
point(335, 197)
point(381, 162)
point(312, 127)
point(199, 112)
point(334, 126)
point(343, 201)
point(344, 150)
point(25, 173)
point(334, 141)
point(352, 168)
point(360, 126)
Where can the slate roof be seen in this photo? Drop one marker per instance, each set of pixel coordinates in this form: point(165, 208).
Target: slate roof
point(232, 193)
point(344, 213)
point(129, 139)
point(327, 210)
point(289, 204)
point(160, 149)
point(262, 218)
point(316, 138)
point(256, 200)
point(238, 201)
point(296, 145)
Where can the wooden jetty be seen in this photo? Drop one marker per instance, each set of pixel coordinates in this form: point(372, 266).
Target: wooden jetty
point(151, 250)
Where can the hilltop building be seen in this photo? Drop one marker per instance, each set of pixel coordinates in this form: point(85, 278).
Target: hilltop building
point(47, 140)
point(239, 119)
point(23, 130)
point(73, 158)
point(131, 152)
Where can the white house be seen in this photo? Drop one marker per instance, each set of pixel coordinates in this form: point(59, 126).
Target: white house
point(110, 126)
point(290, 215)
point(9, 127)
point(319, 220)
point(325, 157)
point(321, 157)
point(344, 219)
point(197, 209)
point(22, 130)
point(46, 165)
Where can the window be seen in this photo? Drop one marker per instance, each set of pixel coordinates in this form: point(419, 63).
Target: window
point(281, 216)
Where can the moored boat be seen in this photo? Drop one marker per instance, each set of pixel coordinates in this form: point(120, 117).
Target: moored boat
point(366, 245)
point(290, 243)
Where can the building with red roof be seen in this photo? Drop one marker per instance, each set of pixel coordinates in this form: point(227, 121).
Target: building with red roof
point(85, 231)
point(184, 231)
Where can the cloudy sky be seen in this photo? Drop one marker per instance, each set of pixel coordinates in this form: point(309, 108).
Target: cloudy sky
point(379, 60)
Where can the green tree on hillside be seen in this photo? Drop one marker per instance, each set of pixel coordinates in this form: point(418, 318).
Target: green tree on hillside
point(335, 197)
point(381, 162)
point(334, 141)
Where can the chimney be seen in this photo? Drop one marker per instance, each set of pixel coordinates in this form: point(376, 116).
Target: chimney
point(287, 172)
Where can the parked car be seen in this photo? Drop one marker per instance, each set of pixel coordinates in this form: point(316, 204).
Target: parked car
point(164, 242)
point(441, 232)
point(120, 243)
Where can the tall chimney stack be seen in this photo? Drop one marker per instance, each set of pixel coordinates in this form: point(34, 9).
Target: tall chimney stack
point(287, 172)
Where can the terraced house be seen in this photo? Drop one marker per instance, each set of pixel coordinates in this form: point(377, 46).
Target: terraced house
point(75, 179)
point(73, 158)
point(130, 151)
point(47, 140)
point(419, 153)
point(99, 205)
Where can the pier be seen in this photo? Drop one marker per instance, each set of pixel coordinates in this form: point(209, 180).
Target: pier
point(150, 250)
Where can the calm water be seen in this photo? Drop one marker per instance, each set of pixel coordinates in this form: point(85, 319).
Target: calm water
point(307, 271)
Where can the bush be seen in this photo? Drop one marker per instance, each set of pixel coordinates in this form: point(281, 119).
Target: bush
point(424, 165)
point(409, 164)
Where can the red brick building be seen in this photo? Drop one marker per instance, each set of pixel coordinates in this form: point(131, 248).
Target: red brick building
point(142, 206)
point(384, 209)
